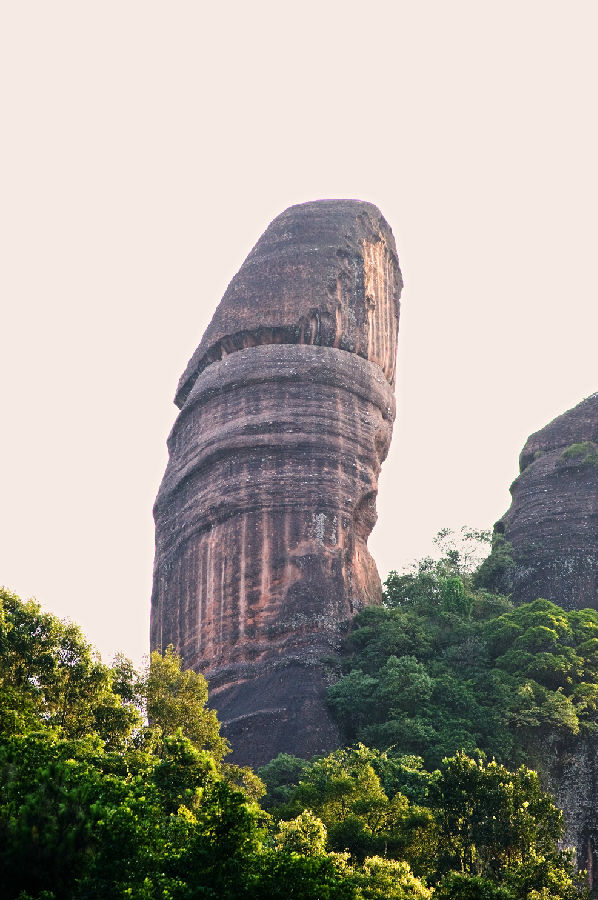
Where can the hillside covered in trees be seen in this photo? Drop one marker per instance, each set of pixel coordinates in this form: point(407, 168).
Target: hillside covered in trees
point(445, 665)
point(114, 783)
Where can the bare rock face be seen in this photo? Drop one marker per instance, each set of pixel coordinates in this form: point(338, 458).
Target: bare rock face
point(571, 770)
point(552, 524)
point(265, 508)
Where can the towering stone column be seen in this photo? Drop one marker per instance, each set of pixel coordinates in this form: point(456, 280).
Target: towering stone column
point(264, 512)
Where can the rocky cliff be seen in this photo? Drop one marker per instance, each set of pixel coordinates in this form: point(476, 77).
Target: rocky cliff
point(546, 545)
point(570, 768)
point(263, 515)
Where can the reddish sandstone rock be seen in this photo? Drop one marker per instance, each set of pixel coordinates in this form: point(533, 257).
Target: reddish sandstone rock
point(323, 273)
point(268, 499)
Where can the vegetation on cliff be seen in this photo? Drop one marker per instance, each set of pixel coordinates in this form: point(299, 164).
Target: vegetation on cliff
point(584, 453)
point(470, 829)
point(444, 666)
point(114, 784)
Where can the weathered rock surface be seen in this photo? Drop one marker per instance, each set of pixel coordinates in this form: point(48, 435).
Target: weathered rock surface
point(568, 767)
point(552, 523)
point(323, 273)
point(268, 499)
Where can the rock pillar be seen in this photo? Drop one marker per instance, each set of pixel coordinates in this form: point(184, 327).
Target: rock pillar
point(268, 499)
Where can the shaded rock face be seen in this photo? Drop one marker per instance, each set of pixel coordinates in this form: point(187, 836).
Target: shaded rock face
point(553, 520)
point(569, 769)
point(268, 499)
point(552, 527)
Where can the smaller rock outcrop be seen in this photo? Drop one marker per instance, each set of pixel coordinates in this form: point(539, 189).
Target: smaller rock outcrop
point(546, 545)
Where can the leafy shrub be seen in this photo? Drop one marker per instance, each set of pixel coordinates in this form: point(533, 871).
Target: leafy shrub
point(585, 453)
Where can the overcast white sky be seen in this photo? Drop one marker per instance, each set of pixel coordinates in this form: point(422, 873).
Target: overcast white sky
point(145, 148)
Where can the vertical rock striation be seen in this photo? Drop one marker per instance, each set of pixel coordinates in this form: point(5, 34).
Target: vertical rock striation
point(552, 523)
point(264, 512)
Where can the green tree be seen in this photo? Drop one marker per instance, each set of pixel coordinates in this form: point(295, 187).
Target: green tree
point(305, 835)
point(499, 826)
point(494, 572)
point(459, 886)
point(345, 791)
point(389, 879)
point(284, 874)
point(447, 667)
point(98, 807)
point(76, 820)
point(280, 777)
point(51, 676)
point(177, 698)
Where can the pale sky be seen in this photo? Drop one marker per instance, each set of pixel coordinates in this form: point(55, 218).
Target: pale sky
point(146, 146)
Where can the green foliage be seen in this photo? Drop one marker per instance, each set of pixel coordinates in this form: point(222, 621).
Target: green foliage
point(305, 835)
point(391, 879)
point(282, 875)
point(440, 582)
point(345, 791)
point(97, 804)
point(454, 598)
point(280, 776)
point(78, 821)
point(50, 676)
point(461, 552)
point(584, 454)
point(458, 886)
point(100, 807)
point(491, 818)
point(446, 667)
point(177, 699)
point(495, 569)
point(477, 830)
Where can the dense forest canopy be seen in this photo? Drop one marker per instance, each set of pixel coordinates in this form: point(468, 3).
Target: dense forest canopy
point(114, 783)
point(444, 665)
